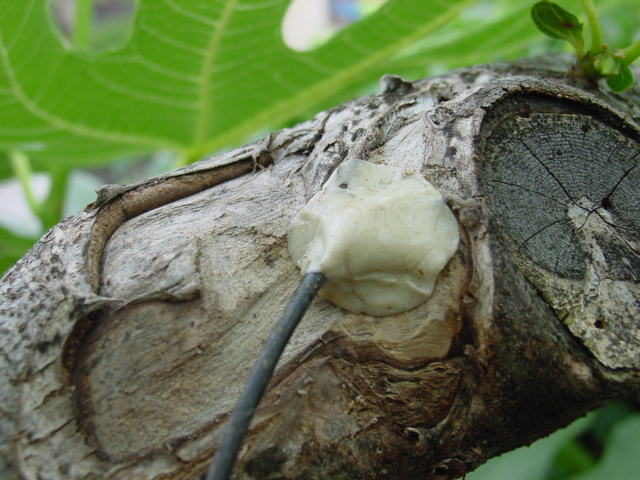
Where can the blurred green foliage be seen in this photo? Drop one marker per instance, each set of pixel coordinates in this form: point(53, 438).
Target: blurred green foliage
point(12, 247)
point(603, 445)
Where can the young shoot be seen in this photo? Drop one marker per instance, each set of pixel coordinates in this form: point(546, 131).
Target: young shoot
point(597, 61)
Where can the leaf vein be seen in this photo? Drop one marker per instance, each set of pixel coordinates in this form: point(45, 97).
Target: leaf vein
point(23, 22)
point(206, 73)
point(258, 5)
point(186, 13)
point(171, 40)
point(64, 124)
point(144, 96)
point(168, 72)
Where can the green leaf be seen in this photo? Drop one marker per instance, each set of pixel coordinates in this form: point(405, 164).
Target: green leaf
point(12, 247)
point(471, 38)
point(622, 81)
point(194, 76)
point(571, 458)
point(620, 460)
point(6, 171)
point(606, 418)
point(556, 22)
point(532, 462)
point(510, 34)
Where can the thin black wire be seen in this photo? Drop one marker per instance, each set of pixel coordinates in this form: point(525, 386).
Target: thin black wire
point(238, 423)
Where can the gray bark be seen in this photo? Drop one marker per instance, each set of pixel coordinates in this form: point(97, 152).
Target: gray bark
point(129, 329)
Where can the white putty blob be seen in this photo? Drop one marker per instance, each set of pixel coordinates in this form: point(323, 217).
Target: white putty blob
point(380, 235)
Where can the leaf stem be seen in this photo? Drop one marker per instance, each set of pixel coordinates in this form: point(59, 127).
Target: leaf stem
point(22, 170)
point(51, 209)
point(631, 53)
point(82, 20)
point(594, 26)
point(185, 157)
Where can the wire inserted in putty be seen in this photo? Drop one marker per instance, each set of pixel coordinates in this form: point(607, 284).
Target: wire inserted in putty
point(375, 239)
